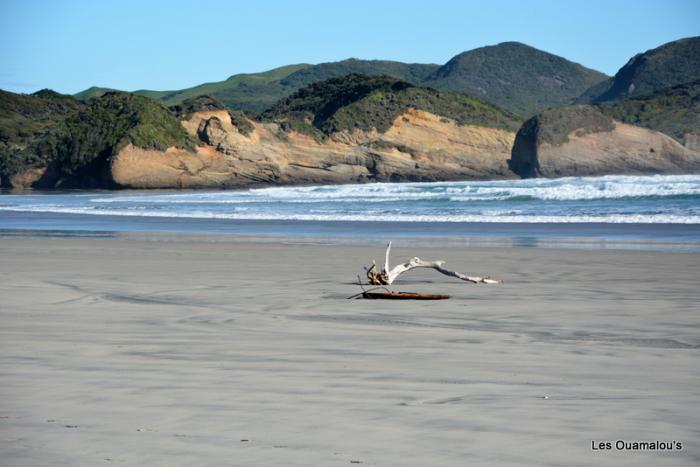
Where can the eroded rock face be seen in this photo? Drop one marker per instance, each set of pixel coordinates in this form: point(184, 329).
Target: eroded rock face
point(419, 146)
point(580, 140)
point(175, 168)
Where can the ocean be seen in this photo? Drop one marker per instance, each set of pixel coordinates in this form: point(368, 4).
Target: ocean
point(655, 208)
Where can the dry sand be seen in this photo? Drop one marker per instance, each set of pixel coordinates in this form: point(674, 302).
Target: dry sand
point(156, 353)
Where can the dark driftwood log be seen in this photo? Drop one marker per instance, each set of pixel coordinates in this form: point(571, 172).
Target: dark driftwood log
point(403, 296)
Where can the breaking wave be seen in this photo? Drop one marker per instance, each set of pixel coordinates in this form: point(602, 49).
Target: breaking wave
point(609, 199)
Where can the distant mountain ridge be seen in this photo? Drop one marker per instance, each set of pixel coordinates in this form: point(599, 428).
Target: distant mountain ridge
point(512, 75)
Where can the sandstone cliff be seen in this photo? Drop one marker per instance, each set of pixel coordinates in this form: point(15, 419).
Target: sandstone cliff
point(581, 140)
point(344, 130)
point(351, 129)
point(418, 146)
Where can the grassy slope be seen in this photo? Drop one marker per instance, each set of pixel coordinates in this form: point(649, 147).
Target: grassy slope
point(246, 90)
point(94, 91)
point(259, 91)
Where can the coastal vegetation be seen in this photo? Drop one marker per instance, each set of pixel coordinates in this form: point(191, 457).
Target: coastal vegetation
point(74, 139)
point(553, 126)
point(26, 121)
point(674, 111)
point(374, 102)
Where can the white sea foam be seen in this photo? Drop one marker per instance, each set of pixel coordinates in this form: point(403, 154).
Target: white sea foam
point(564, 189)
point(609, 199)
point(478, 218)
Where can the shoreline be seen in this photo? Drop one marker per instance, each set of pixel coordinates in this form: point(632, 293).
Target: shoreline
point(587, 236)
point(573, 244)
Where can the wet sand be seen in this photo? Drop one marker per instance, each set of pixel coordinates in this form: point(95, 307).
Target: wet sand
point(132, 352)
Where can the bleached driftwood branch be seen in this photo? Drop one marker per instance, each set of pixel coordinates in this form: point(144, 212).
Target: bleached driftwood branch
point(388, 275)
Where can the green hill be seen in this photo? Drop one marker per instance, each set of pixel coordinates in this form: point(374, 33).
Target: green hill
point(251, 91)
point(671, 64)
point(366, 102)
point(516, 77)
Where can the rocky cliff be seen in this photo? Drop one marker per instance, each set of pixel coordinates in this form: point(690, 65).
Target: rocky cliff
point(582, 140)
point(418, 146)
point(343, 130)
point(350, 129)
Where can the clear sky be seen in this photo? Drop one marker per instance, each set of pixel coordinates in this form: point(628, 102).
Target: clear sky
point(126, 44)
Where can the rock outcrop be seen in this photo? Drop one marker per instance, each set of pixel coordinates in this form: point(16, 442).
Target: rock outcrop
point(581, 140)
point(419, 146)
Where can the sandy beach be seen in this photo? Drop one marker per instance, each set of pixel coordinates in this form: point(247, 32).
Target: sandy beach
point(190, 352)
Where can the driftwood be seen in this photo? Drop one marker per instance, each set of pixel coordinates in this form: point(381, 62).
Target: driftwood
point(389, 295)
point(403, 296)
point(388, 275)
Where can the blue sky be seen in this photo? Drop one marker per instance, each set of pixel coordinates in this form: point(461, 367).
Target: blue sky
point(71, 45)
